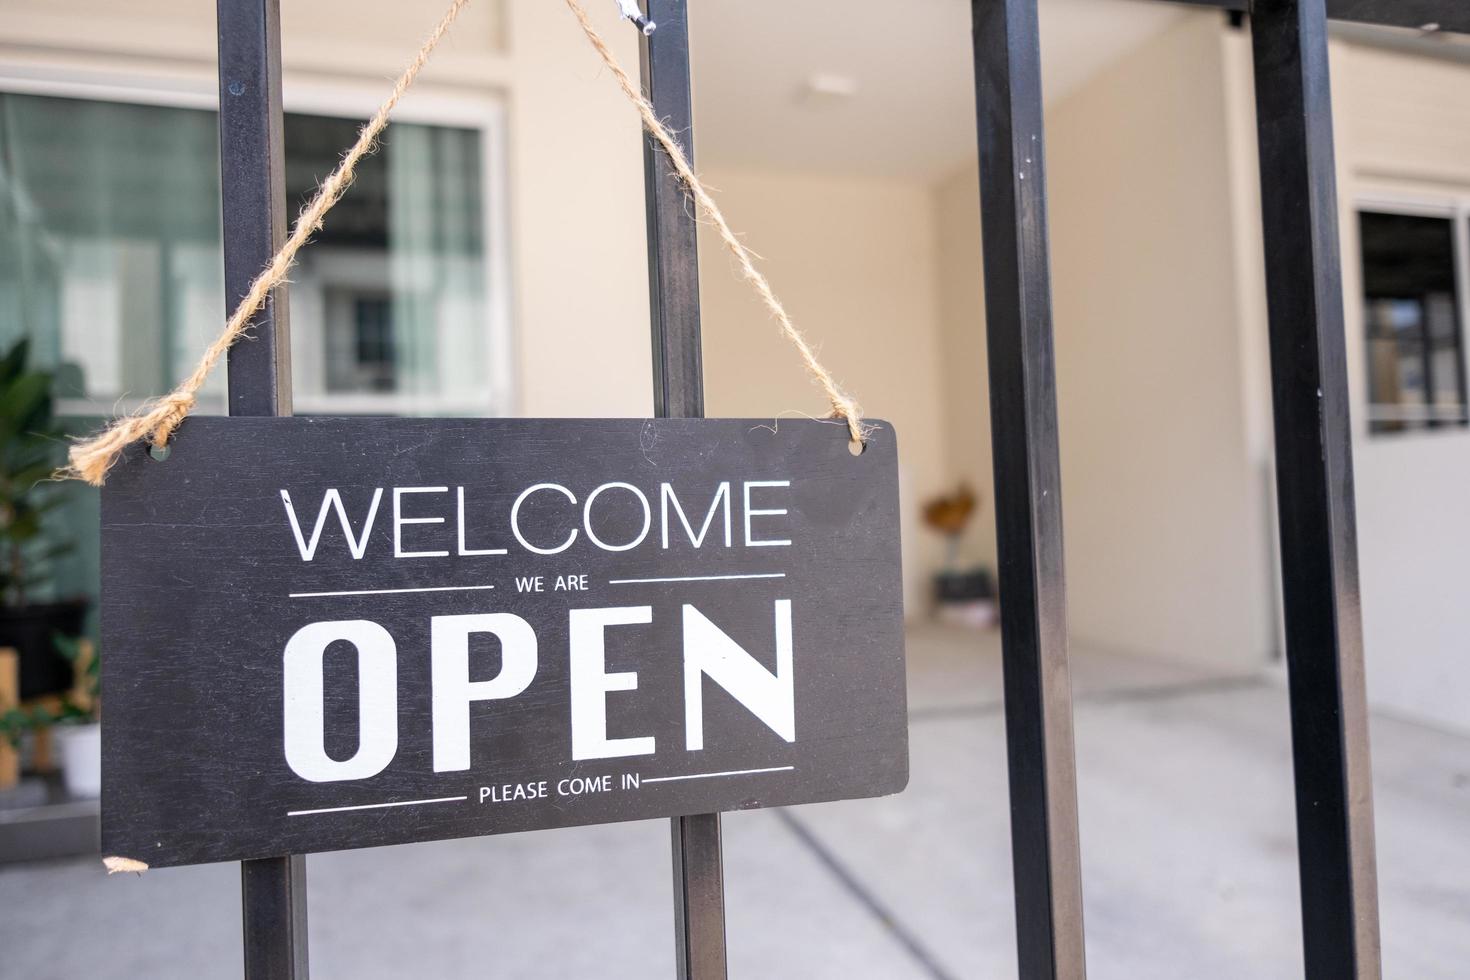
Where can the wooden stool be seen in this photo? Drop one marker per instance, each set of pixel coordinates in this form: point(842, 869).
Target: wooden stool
point(9, 698)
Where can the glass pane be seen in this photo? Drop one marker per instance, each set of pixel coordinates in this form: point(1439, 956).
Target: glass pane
point(1416, 372)
point(109, 228)
point(110, 258)
point(389, 307)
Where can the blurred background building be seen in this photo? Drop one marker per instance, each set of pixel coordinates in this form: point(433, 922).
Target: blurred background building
point(491, 260)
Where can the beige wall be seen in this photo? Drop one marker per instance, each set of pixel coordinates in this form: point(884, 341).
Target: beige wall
point(1402, 128)
point(577, 221)
point(854, 263)
point(963, 361)
point(1401, 116)
point(1403, 132)
point(1164, 432)
point(177, 38)
point(1165, 539)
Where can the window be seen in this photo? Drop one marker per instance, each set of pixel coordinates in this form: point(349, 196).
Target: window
point(1412, 315)
point(360, 347)
point(110, 259)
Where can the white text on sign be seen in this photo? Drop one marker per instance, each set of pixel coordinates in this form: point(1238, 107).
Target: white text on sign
point(707, 652)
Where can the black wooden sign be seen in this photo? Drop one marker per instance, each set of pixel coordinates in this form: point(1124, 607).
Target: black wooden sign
point(332, 633)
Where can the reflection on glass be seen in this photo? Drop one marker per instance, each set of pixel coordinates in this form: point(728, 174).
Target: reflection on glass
point(388, 305)
point(110, 258)
point(109, 241)
point(1416, 370)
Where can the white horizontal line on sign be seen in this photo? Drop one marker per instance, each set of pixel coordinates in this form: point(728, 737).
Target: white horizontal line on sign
point(433, 588)
point(712, 775)
point(376, 806)
point(693, 578)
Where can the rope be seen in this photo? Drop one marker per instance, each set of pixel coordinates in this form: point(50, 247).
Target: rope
point(155, 421)
point(843, 406)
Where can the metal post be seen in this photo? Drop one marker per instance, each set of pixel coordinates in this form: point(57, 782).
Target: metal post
point(678, 392)
point(273, 913)
point(253, 188)
point(673, 252)
point(1314, 491)
point(1028, 505)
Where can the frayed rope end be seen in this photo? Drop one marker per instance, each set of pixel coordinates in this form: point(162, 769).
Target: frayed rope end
point(91, 459)
point(118, 865)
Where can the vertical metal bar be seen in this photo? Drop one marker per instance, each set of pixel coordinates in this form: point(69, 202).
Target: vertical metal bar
point(678, 392)
point(1314, 489)
point(673, 253)
point(253, 189)
point(699, 897)
point(273, 906)
point(1028, 505)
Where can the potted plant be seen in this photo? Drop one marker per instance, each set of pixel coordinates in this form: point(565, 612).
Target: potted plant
point(76, 724)
point(30, 449)
point(14, 724)
point(963, 596)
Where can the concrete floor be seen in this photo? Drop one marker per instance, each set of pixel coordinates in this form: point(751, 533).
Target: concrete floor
point(1187, 842)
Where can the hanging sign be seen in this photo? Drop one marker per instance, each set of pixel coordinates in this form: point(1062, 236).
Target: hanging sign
point(333, 633)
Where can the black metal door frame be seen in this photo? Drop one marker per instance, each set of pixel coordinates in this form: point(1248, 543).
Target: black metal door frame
point(1313, 456)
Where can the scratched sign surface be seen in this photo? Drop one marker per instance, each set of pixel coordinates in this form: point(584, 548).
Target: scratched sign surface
point(332, 633)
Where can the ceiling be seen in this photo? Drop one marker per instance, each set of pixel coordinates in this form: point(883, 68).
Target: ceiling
point(912, 112)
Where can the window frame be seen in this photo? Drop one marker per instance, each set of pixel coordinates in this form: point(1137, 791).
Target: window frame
point(1454, 208)
point(482, 111)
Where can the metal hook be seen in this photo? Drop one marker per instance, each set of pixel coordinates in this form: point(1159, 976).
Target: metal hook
point(629, 10)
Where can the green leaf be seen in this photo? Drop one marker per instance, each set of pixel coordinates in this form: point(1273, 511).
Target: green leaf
point(17, 721)
point(31, 445)
point(13, 362)
point(22, 403)
point(69, 647)
point(25, 525)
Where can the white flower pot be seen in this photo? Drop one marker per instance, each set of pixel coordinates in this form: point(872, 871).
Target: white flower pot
point(81, 758)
